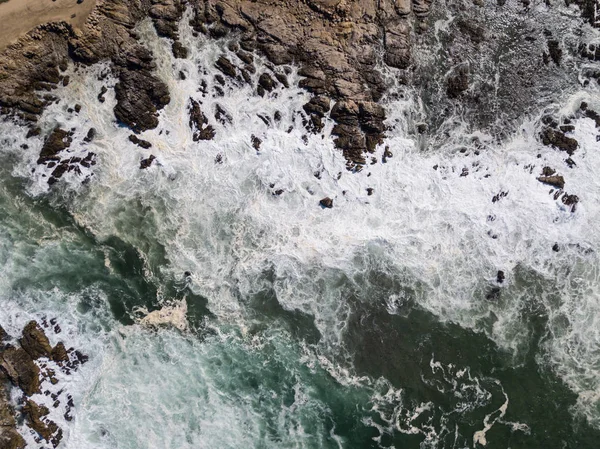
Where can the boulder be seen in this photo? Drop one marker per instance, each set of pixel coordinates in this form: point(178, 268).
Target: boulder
point(20, 370)
point(326, 203)
point(35, 342)
point(140, 94)
point(555, 181)
point(59, 353)
point(57, 141)
point(557, 139)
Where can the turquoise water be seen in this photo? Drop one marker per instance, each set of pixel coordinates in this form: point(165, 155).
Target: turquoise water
point(284, 325)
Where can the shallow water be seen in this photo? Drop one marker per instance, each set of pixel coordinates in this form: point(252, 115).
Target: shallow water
point(288, 325)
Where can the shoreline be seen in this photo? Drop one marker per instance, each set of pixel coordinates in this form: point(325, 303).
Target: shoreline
point(18, 17)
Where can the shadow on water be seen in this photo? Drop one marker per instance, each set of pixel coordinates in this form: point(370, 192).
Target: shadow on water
point(424, 357)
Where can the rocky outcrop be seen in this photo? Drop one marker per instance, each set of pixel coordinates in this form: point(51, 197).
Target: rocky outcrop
point(139, 97)
point(558, 139)
point(107, 35)
point(35, 342)
point(9, 437)
point(337, 45)
point(35, 416)
point(201, 130)
point(20, 368)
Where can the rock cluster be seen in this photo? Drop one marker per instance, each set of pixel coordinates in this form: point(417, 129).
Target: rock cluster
point(336, 43)
point(24, 366)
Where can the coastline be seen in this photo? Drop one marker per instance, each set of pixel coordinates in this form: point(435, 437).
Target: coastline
point(20, 17)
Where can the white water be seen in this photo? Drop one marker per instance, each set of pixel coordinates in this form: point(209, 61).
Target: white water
point(221, 222)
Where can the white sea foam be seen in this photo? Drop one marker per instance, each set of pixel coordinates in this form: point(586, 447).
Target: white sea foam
point(438, 231)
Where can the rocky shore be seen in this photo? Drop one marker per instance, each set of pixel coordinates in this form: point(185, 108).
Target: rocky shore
point(26, 363)
point(337, 44)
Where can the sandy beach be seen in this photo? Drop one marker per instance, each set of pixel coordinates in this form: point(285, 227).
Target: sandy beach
point(20, 16)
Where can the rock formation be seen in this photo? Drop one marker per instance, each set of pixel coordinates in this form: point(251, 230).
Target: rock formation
point(20, 368)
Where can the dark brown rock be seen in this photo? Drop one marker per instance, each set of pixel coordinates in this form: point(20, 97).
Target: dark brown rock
point(555, 181)
point(59, 353)
point(267, 82)
point(225, 66)
point(57, 141)
point(326, 203)
point(139, 142)
point(9, 437)
point(35, 416)
point(140, 95)
point(179, 51)
point(146, 163)
point(20, 369)
point(35, 342)
point(558, 140)
point(199, 123)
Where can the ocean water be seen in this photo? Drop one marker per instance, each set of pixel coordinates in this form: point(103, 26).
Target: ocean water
point(219, 315)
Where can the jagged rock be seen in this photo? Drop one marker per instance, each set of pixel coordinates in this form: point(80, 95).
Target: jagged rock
point(9, 437)
point(199, 123)
point(20, 369)
point(146, 163)
point(139, 142)
point(317, 105)
point(35, 342)
point(59, 353)
point(558, 139)
point(225, 66)
point(57, 141)
point(570, 200)
point(555, 181)
point(140, 95)
point(35, 417)
point(165, 15)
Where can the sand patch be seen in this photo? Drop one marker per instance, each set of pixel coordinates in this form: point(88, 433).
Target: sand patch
point(20, 16)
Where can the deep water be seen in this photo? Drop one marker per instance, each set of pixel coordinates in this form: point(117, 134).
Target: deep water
point(378, 323)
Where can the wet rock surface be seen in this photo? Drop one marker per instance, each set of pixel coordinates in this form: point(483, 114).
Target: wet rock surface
point(336, 44)
point(25, 368)
point(201, 129)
